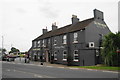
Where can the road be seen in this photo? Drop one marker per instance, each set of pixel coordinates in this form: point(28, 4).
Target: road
point(22, 70)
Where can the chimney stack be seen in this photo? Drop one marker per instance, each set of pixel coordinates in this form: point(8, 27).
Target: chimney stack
point(75, 19)
point(54, 27)
point(98, 14)
point(44, 31)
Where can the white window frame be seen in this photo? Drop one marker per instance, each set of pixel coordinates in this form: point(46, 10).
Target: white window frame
point(64, 59)
point(64, 39)
point(48, 40)
point(75, 37)
point(35, 44)
point(75, 55)
point(39, 43)
point(55, 41)
point(43, 43)
point(55, 55)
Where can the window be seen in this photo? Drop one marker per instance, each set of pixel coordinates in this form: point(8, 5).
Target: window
point(55, 55)
point(75, 40)
point(48, 40)
point(43, 43)
point(39, 43)
point(55, 41)
point(64, 39)
point(76, 57)
point(64, 55)
point(35, 44)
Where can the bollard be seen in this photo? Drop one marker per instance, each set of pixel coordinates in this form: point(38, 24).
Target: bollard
point(41, 63)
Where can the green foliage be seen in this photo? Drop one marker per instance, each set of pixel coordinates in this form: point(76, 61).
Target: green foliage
point(4, 50)
point(99, 67)
point(111, 43)
point(14, 50)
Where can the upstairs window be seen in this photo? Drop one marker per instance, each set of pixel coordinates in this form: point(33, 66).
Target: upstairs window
point(55, 55)
point(35, 45)
point(64, 55)
point(43, 43)
point(48, 40)
point(39, 43)
point(55, 41)
point(75, 39)
point(65, 39)
point(76, 57)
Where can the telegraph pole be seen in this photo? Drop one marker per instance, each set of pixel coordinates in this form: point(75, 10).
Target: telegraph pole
point(2, 44)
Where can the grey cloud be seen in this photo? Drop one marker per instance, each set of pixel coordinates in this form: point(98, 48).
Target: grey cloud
point(48, 10)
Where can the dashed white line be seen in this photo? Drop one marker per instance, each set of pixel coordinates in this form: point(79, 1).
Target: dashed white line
point(110, 71)
point(74, 68)
point(37, 76)
point(90, 69)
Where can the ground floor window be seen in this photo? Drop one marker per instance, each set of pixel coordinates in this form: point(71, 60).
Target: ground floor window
point(76, 57)
point(64, 55)
point(55, 55)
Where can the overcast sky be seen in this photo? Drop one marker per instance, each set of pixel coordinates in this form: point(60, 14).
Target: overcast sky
point(21, 21)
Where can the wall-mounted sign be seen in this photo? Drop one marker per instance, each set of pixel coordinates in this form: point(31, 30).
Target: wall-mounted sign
point(58, 47)
point(100, 24)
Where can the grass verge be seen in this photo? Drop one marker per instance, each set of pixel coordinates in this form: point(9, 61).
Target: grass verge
point(99, 67)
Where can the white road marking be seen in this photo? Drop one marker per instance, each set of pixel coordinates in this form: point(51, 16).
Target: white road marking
point(74, 68)
point(110, 71)
point(49, 66)
point(37, 76)
point(90, 69)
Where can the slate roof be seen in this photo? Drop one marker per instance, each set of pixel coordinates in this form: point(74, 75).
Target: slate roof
point(69, 28)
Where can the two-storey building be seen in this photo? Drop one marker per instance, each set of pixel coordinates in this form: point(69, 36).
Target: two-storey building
point(78, 43)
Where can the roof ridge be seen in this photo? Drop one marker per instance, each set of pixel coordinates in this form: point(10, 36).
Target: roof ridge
point(65, 29)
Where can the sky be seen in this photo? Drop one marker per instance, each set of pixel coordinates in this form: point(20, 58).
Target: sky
point(21, 21)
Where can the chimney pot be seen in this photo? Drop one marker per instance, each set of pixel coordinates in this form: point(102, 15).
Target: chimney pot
point(54, 27)
point(74, 19)
point(44, 31)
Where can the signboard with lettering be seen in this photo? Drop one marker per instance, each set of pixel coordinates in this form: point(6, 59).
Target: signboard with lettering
point(59, 47)
point(100, 24)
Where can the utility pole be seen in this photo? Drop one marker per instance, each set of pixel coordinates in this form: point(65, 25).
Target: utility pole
point(2, 45)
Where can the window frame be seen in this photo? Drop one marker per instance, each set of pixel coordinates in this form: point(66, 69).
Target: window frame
point(75, 55)
point(64, 39)
point(43, 43)
point(64, 59)
point(39, 43)
point(35, 43)
point(55, 55)
point(75, 37)
point(55, 41)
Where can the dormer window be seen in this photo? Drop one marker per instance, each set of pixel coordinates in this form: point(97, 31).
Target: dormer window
point(64, 39)
point(75, 39)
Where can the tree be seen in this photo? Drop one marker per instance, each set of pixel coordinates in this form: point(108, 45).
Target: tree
point(111, 43)
point(14, 50)
point(3, 50)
